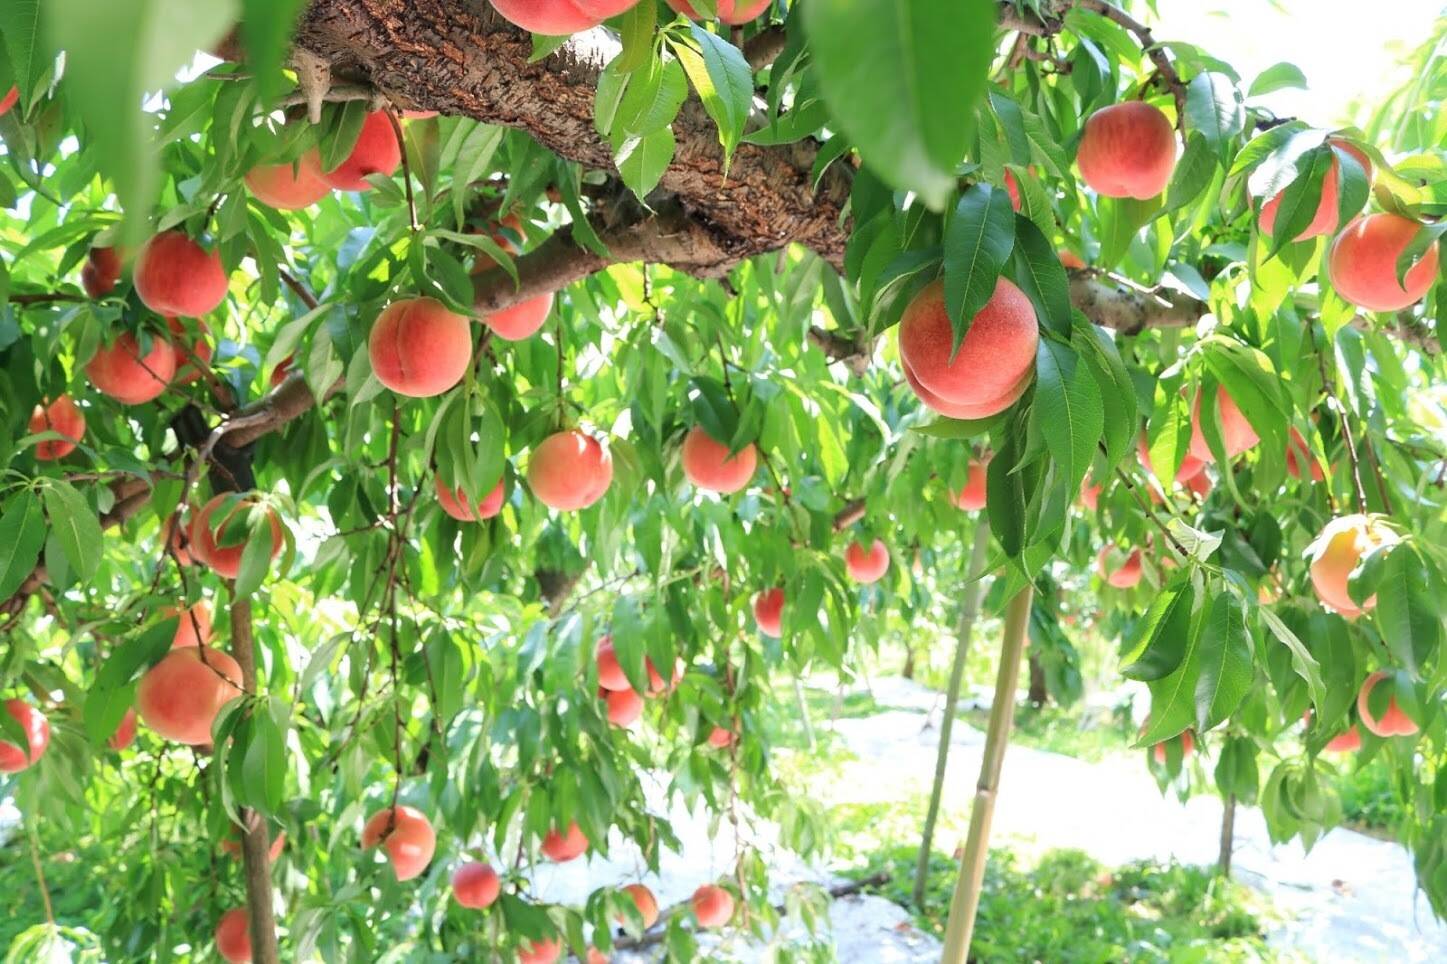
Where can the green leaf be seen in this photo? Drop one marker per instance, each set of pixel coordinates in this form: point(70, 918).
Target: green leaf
point(341, 127)
point(74, 525)
point(115, 53)
point(1005, 497)
point(642, 160)
point(1067, 409)
point(1301, 198)
point(1117, 394)
point(636, 30)
point(256, 557)
point(1173, 698)
point(1301, 660)
point(902, 78)
point(1213, 107)
point(1278, 76)
point(20, 28)
point(266, 30)
point(1041, 276)
point(651, 101)
point(724, 81)
point(1405, 610)
point(1225, 662)
point(1163, 634)
point(22, 535)
point(263, 769)
point(1193, 173)
point(445, 663)
point(978, 241)
point(1120, 220)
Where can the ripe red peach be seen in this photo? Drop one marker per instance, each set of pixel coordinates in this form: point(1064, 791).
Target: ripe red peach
point(1326, 218)
point(233, 936)
point(176, 276)
point(1012, 188)
point(563, 847)
point(209, 530)
point(186, 372)
point(1124, 576)
point(232, 845)
point(956, 410)
point(1236, 432)
point(713, 906)
point(569, 470)
point(101, 271)
point(125, 733)
point(419, 348)
point(13, 759)
point(624, 706)
point(1188, 746)
point(407, 836)
point(656, 683)
point(708, 465)
point(1335, 553)
point(122, 372)
point(376, 152)
point(1070, 261)
point(1191, 466)
point(193, 625)
point(475, 885)
point(289, 186)
point(1348, 741)
point(545, 951)
point(610, 673)
point(558, 18)
point(456, 503)
point(1127, 150)
point(720, 738)
point(646, 903)
point(865, 564)
point(60, 416)
point(995, 362)
point(9, 100)
point(1393, 722)
point(732, 12)
point(972, 496)
point(1090, 494)
point(522, 320)
point(1299, 453)
point(769, 612)
point(1363, 263)
point(181, 695)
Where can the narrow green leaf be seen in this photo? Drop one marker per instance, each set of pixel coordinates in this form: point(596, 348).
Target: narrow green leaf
point(1213, 108)
point(1225, 655)
point(1405, 610)
point(978, 241)
point(642, 160)
point(22, 535)
point(1278, 76)
point(74, 525)
point(1163, 634)
point(1041, 276)
point(1067, 409)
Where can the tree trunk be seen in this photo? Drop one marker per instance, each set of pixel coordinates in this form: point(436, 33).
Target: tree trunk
point(966, 902)
point(804, 713)
point(1038, 694)
point(908, 671)
point(255, 840)
point(1228, 835)
point(969, 610)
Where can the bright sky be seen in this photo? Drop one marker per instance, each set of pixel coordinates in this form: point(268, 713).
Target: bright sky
point(1351, 51)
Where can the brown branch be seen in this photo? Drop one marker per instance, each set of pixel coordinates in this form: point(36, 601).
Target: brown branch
point(1164, 68)
point(852, 512)
point(838, 348)
point(764, 47)
point(255, 840)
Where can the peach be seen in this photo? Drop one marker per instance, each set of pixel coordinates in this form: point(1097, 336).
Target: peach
point(13, 759)
point(1127, 150)
point(646, 903)
point(720, 738)
point(1348, 741)
point(1070, 261)
point(59, 416)
point(866, 564)
point(995, 362)
point(1188, 746)
point(1298, 453)
point(181, 695)
point(125, 733)
point(545, 951)
point(1190, 465)
point(558, 18)
point(214, 546)
point(656, 685)
point(101, 271)
point(1326, 218)
point(376, 152)
point(193, 628)
point(563, 847)
point(475, 885)
point(1090, 494)
point(595, 956)
point(624, 706)
point(1236, 432)
point(1335, 553)
point(1012, 188)
point(407, 836)
point(610, 673)
point(708, 464)
point(9, 100)
point(456, 503)
point(713, 906)
point(1200, 484)
point(200, 348)
point(732, 12)
point(1124, 576)
point(1393, 722)
point(419, 348)
point(232, 845)
point(176, 276)
point(769, 612)
point(233, 936)
point(522, 320)
point(972, 496)
point(1363, 263)
point(569, 470)
point(120, 371)
point(283, 368)
point(290, 186)
point(956, 410)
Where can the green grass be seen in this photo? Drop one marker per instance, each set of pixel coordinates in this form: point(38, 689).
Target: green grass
point(1369, 802)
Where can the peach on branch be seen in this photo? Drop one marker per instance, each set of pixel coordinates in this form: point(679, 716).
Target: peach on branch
point(456, 503)
point(1190, 465)
point(610, 673)
point(558, 18)
point(1090, 494)
point(646, 903)
point(290, 186)
point(624, 706)
point(545, 951)
point(218, 535)
point(419, 348)
point(732, 12)
point(866, 564)
point(568, 845)
point(61, 416)
point(376, 152)
point(101, 271)
point(994, 365)
point(231, 846)
point(1124, 576)
point(1070, 261)
point(9, 100)
point(522, 320)
point(769, 612)
point(407, 836)
point(1188, 746)
point(1348, 741)
point(1393, 721)
point(708, 464)
point(1363, 263)
point(186, 371)
point(972, 496)
point(1298, 453)
point(713, 906)
point(656, 682)
point(569, 470)
point(1237, 435)
point(181, 695)
point(193, 625)
point(721, 738)
point(176, 276)
point(1127, 150)
point(1012, 188)
point(1335, 553)
point(233, 936)
point(13, 758)
point(125, 733)
point(1326, 218)
point(475, 885)
point(122, 372)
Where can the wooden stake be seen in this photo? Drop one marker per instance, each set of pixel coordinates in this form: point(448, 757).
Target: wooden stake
point(255, 841)
point(1228, 835)
point(969, 610)
point(966, 902)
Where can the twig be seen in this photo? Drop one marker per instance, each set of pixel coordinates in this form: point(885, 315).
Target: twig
point(1335, 403)
point(1164, 68)
point(39, 872)
point(406, 171)
point(298, 289)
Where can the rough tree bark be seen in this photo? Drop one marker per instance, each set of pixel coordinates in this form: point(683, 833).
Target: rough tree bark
point(255, 840)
